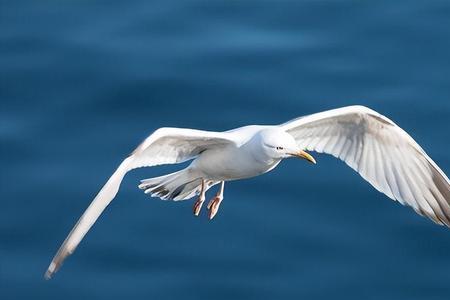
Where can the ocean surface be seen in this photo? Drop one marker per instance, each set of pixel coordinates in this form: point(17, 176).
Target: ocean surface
point(82, 83)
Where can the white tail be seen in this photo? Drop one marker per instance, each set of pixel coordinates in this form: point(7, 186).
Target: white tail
point(180, 185)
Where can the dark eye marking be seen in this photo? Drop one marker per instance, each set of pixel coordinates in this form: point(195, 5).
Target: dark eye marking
point(278, 148)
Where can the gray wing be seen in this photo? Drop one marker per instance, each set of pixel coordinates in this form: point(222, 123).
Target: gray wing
point(164, 146)
point(382, 153)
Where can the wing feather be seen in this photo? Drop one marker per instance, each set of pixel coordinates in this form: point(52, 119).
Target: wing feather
point(384, 155)
point(164, 146)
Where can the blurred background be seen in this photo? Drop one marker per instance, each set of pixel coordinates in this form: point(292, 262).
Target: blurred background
point(83, 82)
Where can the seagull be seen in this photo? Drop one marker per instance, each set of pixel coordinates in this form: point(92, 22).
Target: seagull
point(368, 142)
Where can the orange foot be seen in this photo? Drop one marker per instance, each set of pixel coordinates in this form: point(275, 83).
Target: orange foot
point(213, 206)
point(201, 198)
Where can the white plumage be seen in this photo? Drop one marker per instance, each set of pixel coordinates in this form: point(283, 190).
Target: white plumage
point(383, 153)
point(371, 144)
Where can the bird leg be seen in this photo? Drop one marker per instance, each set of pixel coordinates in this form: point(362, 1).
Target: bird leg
point(214, 203)
point(201, 198)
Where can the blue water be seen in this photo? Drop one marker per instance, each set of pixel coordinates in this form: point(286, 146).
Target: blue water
point(83, 82)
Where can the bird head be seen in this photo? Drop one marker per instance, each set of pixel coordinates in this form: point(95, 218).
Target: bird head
point(279, 144)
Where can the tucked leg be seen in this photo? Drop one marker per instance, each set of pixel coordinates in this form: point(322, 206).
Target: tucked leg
point(201, 198)
point(214, 203)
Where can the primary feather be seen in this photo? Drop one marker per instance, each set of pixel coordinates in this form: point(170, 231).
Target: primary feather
point(164, 146)
point(383, 153)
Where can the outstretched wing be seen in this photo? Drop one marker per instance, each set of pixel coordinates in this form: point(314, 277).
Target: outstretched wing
point(385, 155)
point(164, 146)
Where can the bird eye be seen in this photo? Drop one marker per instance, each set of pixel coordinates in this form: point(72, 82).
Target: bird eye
point(280, 148)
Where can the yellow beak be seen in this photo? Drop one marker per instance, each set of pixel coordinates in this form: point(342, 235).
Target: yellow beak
point(305, 155)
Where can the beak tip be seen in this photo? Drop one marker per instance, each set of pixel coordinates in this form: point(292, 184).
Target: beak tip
point(307, 156)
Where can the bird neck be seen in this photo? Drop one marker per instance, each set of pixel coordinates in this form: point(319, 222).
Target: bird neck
point(260, 155)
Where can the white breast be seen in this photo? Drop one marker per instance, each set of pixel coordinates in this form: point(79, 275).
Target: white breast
point(232, 163)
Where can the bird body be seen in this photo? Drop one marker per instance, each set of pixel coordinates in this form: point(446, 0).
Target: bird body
point(242, 159)
point(371, 144)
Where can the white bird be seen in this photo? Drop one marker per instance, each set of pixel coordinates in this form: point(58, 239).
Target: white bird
point(371, 144)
